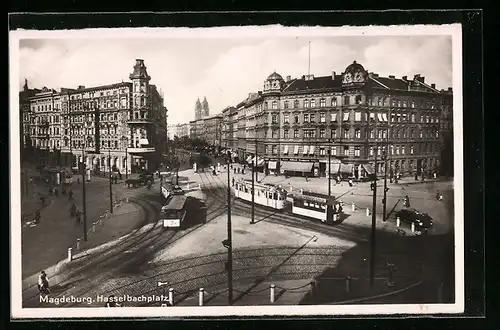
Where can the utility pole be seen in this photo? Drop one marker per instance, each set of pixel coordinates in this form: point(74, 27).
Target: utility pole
point(330, 168)
point(229, 236)
point(252, 221)
point(255, 163)
point(384, 200)
point(110, 181)
point(84, 170)
point(374, 219)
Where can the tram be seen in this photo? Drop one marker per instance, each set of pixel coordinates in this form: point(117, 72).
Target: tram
point(317, 206)
point(173, 213)
point(265, 195)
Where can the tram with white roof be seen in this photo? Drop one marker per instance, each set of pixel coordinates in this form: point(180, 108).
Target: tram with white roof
point(174, 212)
point(265, 194)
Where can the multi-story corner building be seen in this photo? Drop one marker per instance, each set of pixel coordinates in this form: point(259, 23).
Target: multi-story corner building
point(229, 128)
point(25, 118)
point(122, 125)
point(212, 133)
point(355, 115)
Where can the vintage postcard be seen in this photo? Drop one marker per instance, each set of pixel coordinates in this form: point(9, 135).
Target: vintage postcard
point(246, 171)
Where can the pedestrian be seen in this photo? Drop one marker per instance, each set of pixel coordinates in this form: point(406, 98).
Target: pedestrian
point(42, 200)
point(233, 182)
point(37, 216)
point(63, 189)
point(350, 183)
point(51, 191)
point(70, 195)
point(78, 216)
point(72, 210)
point(56, 192)
point(116, 179)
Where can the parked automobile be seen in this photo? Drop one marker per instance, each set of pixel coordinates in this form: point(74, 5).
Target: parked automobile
point(176, 190)
point(420, 219)
point(147, 178)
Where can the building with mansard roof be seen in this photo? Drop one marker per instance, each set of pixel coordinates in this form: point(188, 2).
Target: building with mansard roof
point(293, 124)
point(121, 126)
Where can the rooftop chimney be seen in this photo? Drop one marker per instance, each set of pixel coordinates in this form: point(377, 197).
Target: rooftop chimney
point(405, 78)
point(392, 77)
point(375, 75)
point(433, 86)
point(416, 77)
point(333, 75)
point(450, 89)
point(81, 87)
point(288, 78)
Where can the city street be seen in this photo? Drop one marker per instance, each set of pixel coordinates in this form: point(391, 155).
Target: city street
point(279, 249)
point(47, 243)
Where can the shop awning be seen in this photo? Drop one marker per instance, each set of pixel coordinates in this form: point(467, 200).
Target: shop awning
point(272, 165)
point(296, 150)
point(368, 168)
point(249, 158)
point(346, 168)
point(296, 166)
point(252, 160)
point(260, 162)
point(143, 141)
point(335, 168)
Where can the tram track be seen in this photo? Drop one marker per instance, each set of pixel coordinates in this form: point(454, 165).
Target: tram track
point(143, 249)
point(284, 218)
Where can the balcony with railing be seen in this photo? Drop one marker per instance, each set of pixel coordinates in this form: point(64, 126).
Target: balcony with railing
point(140, 117)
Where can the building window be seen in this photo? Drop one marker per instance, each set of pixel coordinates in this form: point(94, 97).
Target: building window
point(357, 152)
point(397, 150)
point(311, 118)
point(333, 134)
point(357, 116)
point(322, 117)
point(411, 150)
point(296, 103)
point(346, 116)
point(371, 151)
point(404, 104)
point(421, 133)
point(372, 134)
point(346, 151)
point(274, 104)
point(275, 150)
point(413, 103)
point(437, 134)
point(296, 119)
point(274, 134)
point(357, 133)
point(285, 134)
point(274, 119)
point(286, 118)
point(334, 151)
point(322, 132)
point(322, 151)
point(306, 103)
point(346, 133)
point(285, 104)
point(403, 150)
point(296, 134)
point(322, 103)
point(358, 99)
point(313, 103)
point(333, 117)
point(346, 100)
point(265, 105)
point(334, 102)
point(306, 118)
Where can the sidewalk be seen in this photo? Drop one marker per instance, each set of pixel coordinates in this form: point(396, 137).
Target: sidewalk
point(47, 243)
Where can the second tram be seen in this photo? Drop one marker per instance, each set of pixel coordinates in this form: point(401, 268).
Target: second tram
point(265, 195)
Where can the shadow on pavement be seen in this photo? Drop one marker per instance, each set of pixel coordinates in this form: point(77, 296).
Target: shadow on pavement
point(425, 259)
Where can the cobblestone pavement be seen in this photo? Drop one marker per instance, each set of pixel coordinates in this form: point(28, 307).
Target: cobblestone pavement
point(47, 243)
point(133, 272)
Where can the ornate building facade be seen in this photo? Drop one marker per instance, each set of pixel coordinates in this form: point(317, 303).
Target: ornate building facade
point(293, 124)
point(122, 125)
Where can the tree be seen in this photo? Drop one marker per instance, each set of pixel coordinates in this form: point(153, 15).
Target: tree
point(204, 160)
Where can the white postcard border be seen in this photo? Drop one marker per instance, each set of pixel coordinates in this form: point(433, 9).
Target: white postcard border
point(17, 311)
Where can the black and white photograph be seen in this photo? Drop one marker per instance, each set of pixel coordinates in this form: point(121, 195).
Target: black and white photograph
point(236, 171)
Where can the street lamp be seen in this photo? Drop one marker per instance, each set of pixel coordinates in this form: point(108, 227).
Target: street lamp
point(125, 141)
point(330, 167)
point(384, 200)
point(374, 219)
point(84, 199)
point(254, 178)
point(229, 242)
point(110, 181)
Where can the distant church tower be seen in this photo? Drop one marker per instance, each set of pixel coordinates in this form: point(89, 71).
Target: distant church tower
point(206, 109)
point(198, 110)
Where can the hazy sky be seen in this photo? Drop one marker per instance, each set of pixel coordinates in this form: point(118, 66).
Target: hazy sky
point(226, 70)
